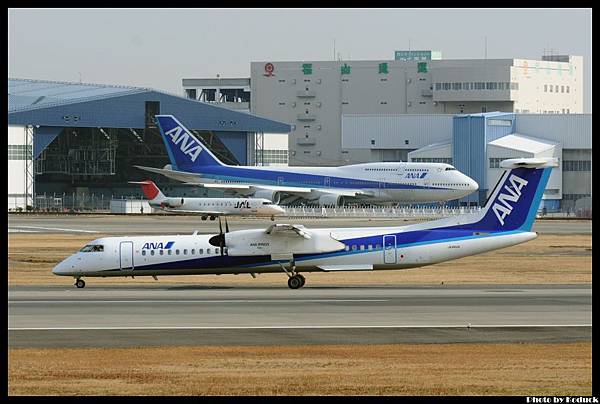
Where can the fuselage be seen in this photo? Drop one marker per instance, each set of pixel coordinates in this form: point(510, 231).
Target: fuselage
point(379, 182)
point(219, 206)
point(374, 249)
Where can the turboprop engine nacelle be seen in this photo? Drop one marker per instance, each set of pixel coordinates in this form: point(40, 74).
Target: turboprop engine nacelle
point(257, 242)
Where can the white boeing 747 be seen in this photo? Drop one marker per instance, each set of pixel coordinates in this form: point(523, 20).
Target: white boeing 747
point(193, 163)
point(506, 220)
point(209, 207)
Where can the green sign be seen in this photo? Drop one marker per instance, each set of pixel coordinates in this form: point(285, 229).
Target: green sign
point(346, 69)
point(307, 68)
point(422, 67)
point(383, 68)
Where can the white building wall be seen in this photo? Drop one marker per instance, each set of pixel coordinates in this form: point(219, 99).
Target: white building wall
point(16, 170)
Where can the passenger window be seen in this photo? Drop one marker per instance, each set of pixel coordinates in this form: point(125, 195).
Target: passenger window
point(185, 251)
point(200, 251)
point(176, 252)
point(193, 251)
point(347, 248)
point(370, 246)
point(217, 250)
point(143, 252)
point(169, 252)
point(377, 246)
point(160, 252)
point(151, 252)
point(362, 247)
point(354, 247)
point(208, 250)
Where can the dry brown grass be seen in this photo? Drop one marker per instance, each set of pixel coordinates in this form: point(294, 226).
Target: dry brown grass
point(549, 259)
point(402, 369)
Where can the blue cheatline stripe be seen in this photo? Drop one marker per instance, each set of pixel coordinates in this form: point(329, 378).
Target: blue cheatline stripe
point(535, 203)
point(358, 241)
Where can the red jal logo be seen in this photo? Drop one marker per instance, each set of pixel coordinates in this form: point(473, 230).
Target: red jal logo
point(269, 69)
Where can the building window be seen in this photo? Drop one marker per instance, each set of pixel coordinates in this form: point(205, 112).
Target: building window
point(577, 165)
point(562, 89)
point(19, 152)
point(545, 88)
point(556, 88)
point(551, 88)
point(438, 86)
point(444, 160)
point(567, 89)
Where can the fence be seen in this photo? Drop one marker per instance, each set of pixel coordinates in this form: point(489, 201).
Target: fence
point(93, 203)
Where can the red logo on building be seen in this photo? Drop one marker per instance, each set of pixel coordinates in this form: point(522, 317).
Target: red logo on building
point(269, 69)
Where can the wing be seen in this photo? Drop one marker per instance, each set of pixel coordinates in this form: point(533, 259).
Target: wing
point(176, 175)
point(291, 229)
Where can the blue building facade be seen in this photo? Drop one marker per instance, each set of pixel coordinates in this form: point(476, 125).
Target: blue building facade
point(470, 136)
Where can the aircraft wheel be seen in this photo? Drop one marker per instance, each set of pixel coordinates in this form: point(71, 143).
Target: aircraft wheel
point(295, 282)
point(203, 218)
point(212, 218)
point(80, 283)
point(302, 278)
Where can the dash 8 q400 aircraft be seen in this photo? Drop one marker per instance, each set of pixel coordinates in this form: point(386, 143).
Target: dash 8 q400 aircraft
point(506, 220)
point(193, 163)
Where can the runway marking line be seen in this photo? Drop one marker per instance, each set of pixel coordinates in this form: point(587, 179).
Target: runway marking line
point(198, 301)
point(268, 327)
point(51, 228)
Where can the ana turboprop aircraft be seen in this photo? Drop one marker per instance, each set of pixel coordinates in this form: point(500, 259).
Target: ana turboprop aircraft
point(506, 220)
point(193, 163)
point(209, 207)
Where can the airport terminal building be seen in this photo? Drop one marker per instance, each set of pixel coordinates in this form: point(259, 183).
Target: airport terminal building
point(85, 139)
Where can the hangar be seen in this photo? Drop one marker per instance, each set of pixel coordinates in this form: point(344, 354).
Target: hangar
point(84, 139)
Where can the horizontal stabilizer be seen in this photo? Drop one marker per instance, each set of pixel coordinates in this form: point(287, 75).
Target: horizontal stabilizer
point(540, 162)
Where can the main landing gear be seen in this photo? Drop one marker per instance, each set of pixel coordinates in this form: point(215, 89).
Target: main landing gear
point(80, 283)
point(295, 281)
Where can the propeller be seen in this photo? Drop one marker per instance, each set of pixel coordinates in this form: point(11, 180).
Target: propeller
point(219, 239)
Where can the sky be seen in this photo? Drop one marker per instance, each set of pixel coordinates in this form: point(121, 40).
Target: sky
point(157, 48)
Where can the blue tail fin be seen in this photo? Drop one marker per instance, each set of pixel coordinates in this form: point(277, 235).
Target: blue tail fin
point(516, 198)
point(186, 152)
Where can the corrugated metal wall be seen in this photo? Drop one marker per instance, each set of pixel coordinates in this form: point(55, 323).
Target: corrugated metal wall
point(574, 131)
point(392, 131)
point(468, 140)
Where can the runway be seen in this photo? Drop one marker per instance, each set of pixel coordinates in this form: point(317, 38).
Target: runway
point(89, 225)
point(56, 316)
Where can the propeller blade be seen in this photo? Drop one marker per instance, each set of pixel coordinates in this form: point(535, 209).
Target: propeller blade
point(226, 226)
point(220, 227)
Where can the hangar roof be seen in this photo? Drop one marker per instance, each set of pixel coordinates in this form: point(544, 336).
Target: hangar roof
point(31, 94)
point(66, 104)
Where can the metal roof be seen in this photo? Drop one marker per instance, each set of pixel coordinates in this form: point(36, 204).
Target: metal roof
point(528, 144)
point(64, 104)
point(26, 94)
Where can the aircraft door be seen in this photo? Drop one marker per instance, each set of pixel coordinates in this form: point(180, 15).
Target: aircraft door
point(389, 249)
point(126, 255)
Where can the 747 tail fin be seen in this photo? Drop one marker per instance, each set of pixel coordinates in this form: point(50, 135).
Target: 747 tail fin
point(186, 152)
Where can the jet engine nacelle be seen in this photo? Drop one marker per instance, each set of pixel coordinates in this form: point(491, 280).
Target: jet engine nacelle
point(257, 242)
point(330, 199)
point(168, 167)
point(273, 196)
point(172, 203)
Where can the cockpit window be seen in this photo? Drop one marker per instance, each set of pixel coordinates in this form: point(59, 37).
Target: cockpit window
point(266, 203)
point(92, 248)
point(450, 168)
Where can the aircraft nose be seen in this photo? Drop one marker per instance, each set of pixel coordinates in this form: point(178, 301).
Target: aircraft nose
point(473, 185)
point(279, 209)
point(64, 267)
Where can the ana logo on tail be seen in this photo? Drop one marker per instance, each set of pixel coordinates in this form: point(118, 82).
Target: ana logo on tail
point(502, 208)
point(187, 144)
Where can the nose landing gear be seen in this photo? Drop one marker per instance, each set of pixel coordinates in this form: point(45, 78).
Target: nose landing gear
point(80, 283)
